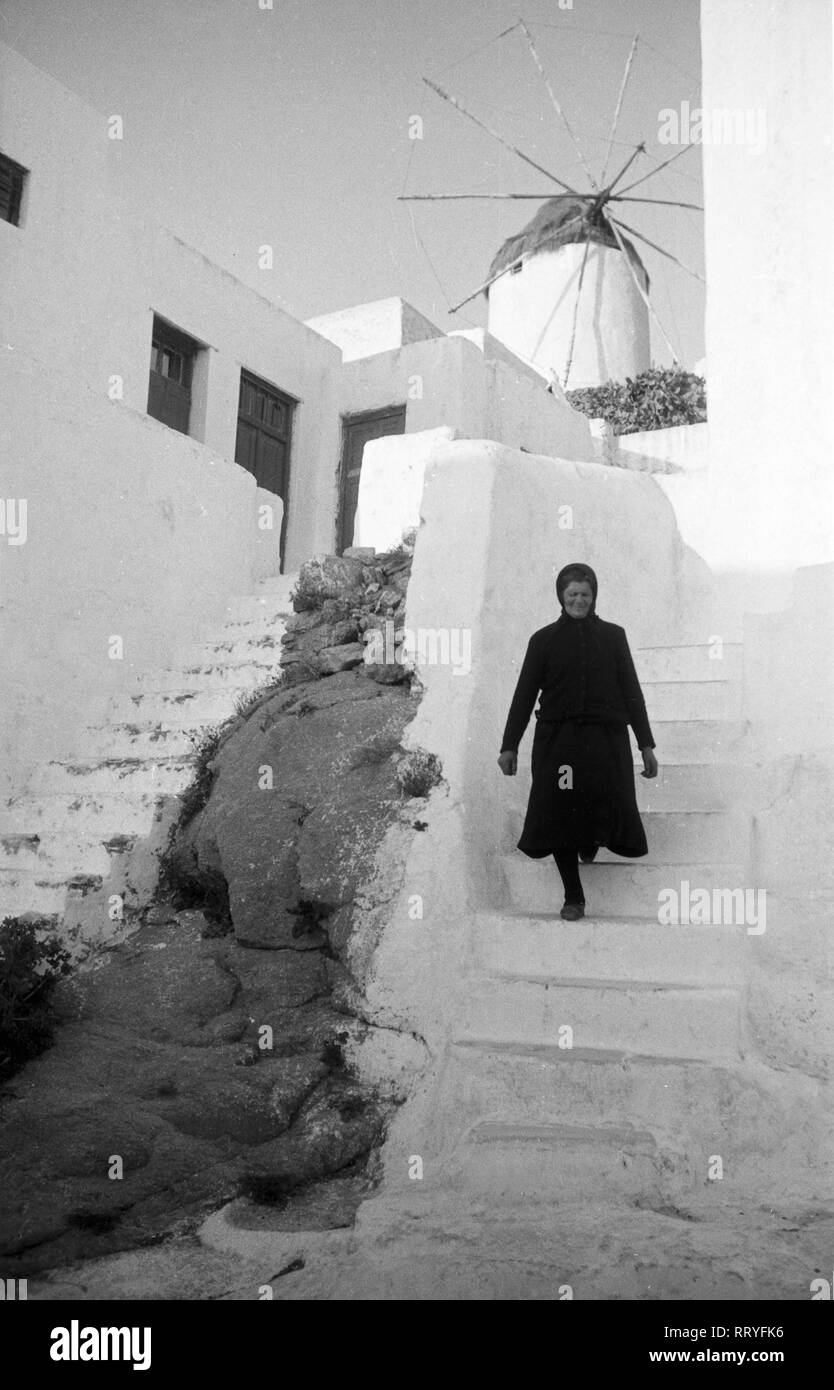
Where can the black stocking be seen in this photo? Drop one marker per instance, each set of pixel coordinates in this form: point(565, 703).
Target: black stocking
point(567, 862)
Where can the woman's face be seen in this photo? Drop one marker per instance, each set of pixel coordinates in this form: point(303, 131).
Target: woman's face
point(577, 598)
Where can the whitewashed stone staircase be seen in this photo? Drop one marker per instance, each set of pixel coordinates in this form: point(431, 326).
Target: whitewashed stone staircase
point(92, 827)
point(650, 1081)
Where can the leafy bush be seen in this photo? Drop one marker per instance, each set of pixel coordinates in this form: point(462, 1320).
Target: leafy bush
point(31, 963)
point(654, 400)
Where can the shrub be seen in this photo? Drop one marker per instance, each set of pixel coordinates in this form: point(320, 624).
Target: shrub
point(197, 793)
point(203, 889)
point(266, 1189)
point(418, 772)
point(246, 703)
point(654, 400)
point(310, 916)
point(333, 1054)
point(31, 963)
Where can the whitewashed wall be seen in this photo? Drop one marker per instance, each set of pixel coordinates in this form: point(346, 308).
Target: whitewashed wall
point(133, 528)
point(770, 284)
point(534, 311)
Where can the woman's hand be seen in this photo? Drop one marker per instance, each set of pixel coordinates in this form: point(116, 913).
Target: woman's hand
point(649, 763)
point(508, 763)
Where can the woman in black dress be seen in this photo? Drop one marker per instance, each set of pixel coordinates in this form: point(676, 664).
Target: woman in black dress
point(582, 795)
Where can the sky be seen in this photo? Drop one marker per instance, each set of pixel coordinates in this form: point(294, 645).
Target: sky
point(290, 127)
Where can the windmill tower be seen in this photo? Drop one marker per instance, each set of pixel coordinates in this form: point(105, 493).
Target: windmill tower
point(569, 293)
point(535, 308)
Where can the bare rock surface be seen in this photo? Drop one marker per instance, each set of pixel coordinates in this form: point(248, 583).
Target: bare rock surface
point(586, 1252)
point(157, 1064)
point(203, 1056)
point(300, 800)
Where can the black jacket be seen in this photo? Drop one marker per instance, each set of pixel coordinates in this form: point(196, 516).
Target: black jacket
point(583, 669)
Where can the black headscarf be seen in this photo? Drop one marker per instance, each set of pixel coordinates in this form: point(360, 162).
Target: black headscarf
point(578, 572)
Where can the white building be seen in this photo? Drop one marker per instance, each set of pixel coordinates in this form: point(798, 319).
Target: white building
point(171, 435)
point(722, 574)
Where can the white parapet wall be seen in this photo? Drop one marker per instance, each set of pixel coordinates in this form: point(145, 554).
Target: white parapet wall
point(475, 386)
point(136, 536)
point(380, 326)
point(269, 518)
point(391, 485)
point(684, 447)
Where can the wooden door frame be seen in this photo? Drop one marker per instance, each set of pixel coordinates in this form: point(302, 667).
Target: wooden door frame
point(398, 408)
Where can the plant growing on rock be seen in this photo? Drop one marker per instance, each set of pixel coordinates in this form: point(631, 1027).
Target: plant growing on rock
point(203, 889)
point(266, 1189)
point(197, 793)
point(32, 960)
point(418, 772)
point(310, 916)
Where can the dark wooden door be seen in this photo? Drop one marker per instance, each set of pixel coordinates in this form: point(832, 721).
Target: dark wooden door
point(264, 432)
point(356, 433)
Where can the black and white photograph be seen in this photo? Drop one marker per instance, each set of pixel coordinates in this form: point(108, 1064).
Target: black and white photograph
point(417, 602)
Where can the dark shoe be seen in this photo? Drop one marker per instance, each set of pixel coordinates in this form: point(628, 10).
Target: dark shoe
point(588, 855)
point(571, 912)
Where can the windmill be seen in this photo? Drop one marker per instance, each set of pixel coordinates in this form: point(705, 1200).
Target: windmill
point(569, 293)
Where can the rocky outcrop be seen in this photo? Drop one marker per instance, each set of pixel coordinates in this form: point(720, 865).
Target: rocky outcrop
point(158, 1101)
point(207, 1053)
point(342, 604)
point(301, 796)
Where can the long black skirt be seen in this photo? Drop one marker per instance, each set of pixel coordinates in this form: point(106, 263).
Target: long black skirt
point(582, 792)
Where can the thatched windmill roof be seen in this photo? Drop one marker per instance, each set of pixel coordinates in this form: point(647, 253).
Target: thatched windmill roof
point(560, 221)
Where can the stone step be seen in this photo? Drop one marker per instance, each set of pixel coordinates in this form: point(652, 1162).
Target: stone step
point(648, 1017)
point(686, 787)
point(278, 586)
point(61, 854)
point(81, 904)
point(115, 777)
point(21, 893)
point(183, 708)
point(684, 741)
point(224, 675)
point(642, 951)
point(627, 888)
point(702, 662)
point(264, 648)
point(686, 1104)
point(146, 742)
point(675, 837)
point(93, 818)
point(260, 627)
point(703, 699)
point(264, 609)
point(513, 1162)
